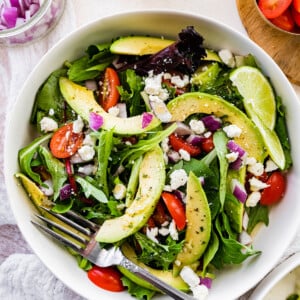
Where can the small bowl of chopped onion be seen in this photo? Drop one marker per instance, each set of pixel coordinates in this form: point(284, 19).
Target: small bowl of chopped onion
point(22, 21)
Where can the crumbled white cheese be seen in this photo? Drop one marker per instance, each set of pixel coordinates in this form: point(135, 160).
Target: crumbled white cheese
point(173, 231)
point(51, 112)
point(153, 84)
point(165, 145)
point(207, 134)
point(270, 166)
point(227, 57)
point(180, 82)
point(119, 191)
point(232, 130)
point(245, 238)
point(78, 125)
point(48, 124)
point(250, 161)
point(245, 220)
point(197, 126)
point(256, 184)
point(76, 159)
point(167, 188)
point(200, 292)
point(89, 140)
point(47, 187)
point(232, 156)
point(114, 111)
point(164, 231)
point(152, 234)
point(87, 169)
point(86, 152)
point(253, 199)
point(256, 169)
point(184, 155)
point(178, 178)
point(189, 277)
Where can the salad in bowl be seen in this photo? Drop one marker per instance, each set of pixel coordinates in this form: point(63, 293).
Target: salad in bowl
point(178, 150)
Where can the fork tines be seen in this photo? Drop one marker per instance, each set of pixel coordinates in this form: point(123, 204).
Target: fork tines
point(79, 229)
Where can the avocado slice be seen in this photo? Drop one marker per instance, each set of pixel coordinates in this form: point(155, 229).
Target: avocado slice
point(198, 229)
point(206, 75)
point(39, 199)
point(139, 45)
point(190, 103)
point(151, 182)
point(164, 275)
point(83, 102)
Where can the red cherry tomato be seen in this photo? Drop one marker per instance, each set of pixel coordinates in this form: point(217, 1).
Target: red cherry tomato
point(296, 5)
point(276, 189)
point(208, 144)
point(106, 278)
point(273, 8)
point(285, 21)
point(179, 143)
point(64, 142)
point(109, 95)
point(296, 16)
point(175, 208)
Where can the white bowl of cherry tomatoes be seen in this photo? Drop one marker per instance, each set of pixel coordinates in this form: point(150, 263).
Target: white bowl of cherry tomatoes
point(284, 15)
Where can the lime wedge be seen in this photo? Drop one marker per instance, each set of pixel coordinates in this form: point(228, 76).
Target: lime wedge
point(270, 138)
point(257, 91)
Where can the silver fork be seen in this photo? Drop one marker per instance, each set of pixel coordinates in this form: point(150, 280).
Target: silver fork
point(91, 249)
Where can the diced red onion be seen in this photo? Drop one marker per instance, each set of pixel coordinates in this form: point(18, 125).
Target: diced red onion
point(15, 12)
point(122, 110)
point(173, 156)
point(206, 281)
point(183, 129)
point(95, 121)
point(237, 164)
point(65, 192)
point(179, 194)
point(234, 147)
point(195, 139)
point(211, 122)
point(238, 190)
point(146, 119)
point(202, 180)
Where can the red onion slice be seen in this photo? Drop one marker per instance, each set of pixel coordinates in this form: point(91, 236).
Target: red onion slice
point(206, 281)
point(95, 121)
point(238, 190)
point(65, 192)
point(146, 119)
point(195, 139)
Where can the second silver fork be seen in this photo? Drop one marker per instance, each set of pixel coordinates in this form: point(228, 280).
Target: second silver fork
point(71, 225)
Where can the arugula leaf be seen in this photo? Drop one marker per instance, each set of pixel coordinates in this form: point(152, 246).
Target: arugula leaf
point(230, 250)
point(157, 255)
point(90, 190)
point(104, 147)
point(130, 91)
point(49, 97)
point(137, 291)
point(220, 142)
point(257, 214)
point(26, 156)
point(56, 168)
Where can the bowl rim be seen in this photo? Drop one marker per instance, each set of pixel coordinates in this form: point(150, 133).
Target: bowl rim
point(85, 27)
point(274, 277)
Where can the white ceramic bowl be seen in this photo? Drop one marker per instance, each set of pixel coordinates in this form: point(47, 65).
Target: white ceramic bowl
point(277, 277)
point(284, 218)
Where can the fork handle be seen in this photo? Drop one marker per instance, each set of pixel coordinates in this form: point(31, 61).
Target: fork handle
point(161, 285)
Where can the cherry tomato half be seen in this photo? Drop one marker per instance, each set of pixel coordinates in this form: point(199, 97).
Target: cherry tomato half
point(296, 16)
point(296, 5)
point(109, 95)
point(64, 142)
point(285, 21)
point(175, 208)
point(276, 189)
point(273, 8)
point(106, 278)
point(179, 143)
point(208, 144)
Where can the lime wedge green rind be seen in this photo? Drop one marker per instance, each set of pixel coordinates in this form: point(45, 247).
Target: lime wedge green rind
point(256, 91)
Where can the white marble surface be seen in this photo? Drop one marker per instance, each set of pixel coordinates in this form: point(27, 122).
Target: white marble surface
point(18, 265)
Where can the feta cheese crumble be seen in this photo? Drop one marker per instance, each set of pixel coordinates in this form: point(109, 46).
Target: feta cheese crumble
point(256, 184)
point(227, 57)
point(232, 131)
point(253, 199)
point(48, 124)
point(178, 178)
point(86, 152)
point(197, 126)
point(78, 125)
point(119, 191)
